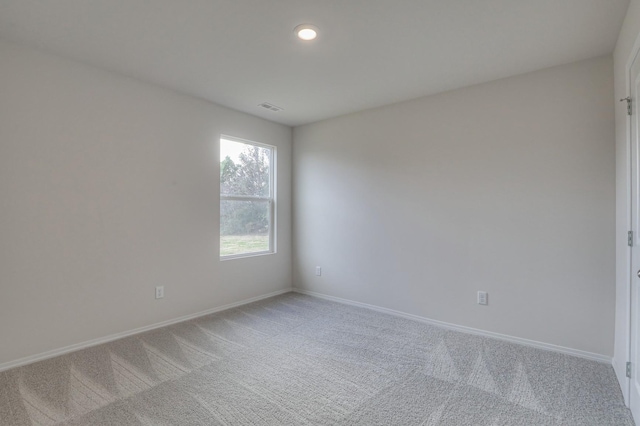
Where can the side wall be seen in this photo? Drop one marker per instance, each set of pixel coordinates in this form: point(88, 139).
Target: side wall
point(506, 187)
point(628, 36)
point(108, 188)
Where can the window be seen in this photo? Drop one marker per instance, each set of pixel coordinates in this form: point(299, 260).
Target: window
point(247, 202)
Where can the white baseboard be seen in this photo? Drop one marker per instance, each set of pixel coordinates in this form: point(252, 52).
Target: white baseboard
point(540, 345)
point(56, 352)
point(67, 349)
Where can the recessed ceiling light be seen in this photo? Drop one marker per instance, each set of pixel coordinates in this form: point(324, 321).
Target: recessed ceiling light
point(306, 32)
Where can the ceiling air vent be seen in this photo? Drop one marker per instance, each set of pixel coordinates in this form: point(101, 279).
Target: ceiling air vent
point(270, 107)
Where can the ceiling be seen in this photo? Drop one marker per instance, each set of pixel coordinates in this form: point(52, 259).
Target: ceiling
point(240, 53)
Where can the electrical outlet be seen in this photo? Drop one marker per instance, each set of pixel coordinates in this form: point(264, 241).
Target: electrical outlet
point(159, 292)
point(318, 271)
point(483, 298)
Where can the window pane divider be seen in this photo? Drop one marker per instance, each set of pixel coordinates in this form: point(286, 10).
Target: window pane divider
point(244, 198)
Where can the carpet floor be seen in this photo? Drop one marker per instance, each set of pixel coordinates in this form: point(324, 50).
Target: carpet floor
point(299, 360)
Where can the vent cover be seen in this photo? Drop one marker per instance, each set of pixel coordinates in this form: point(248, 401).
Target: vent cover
point(270, 107)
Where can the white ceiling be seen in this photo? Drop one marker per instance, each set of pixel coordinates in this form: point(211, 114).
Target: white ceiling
point(240, 53)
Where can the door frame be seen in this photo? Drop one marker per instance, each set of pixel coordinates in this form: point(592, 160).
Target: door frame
point(625, 383)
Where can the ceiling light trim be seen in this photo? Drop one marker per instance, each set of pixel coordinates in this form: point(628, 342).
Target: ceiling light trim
point(306, 32)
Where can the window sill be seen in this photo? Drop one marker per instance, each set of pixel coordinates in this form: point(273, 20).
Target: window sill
point(245, 255)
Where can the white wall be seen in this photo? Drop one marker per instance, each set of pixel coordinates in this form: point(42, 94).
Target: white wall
point(628, 35)
point(109, 187)
point(506, 187)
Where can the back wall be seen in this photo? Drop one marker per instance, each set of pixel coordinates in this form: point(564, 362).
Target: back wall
point(506, 187)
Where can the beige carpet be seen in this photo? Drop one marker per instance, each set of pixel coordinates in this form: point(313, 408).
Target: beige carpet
point(299, 360)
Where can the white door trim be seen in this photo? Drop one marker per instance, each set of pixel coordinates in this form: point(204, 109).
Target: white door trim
point(625, 382)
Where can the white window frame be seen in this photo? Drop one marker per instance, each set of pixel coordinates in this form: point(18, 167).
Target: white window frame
point(271, 199)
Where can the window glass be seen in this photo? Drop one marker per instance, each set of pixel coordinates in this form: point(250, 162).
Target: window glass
point(247, 203)
point(244, 169)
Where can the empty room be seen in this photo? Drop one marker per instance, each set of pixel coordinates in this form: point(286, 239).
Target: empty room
point(337, 212)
